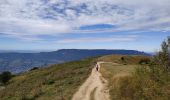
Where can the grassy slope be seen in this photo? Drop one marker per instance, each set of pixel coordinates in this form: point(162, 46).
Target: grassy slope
point(58, 82)
point(122, 71)
point(127, 59)
point(115, 73)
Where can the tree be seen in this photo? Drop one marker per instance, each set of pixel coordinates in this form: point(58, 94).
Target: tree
point(163, 57)
point(122, 59)
point(160, 65)
point(5, 77)
point(144, 61)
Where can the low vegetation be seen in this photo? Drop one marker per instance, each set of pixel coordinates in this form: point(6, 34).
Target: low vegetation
point(5, 77)
point(57, 82)
point(115, 73)
point(149, 81)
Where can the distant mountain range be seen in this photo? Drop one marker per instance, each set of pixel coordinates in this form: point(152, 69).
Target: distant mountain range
point(19, 62)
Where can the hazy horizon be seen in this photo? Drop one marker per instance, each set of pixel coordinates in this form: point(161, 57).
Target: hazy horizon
point(38, 51)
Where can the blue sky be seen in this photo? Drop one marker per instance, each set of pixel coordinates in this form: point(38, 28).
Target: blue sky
point(83, 24)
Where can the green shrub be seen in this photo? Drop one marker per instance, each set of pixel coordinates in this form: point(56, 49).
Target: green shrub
point(50, 82)
point(5, 77)
point(122, 59)
point(35, 68)
point(144, 61)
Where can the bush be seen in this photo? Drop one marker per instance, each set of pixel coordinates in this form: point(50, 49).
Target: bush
point(50, 82)
point(5, 77)
point(144, 61)
point(35, 68)
point(122, 59)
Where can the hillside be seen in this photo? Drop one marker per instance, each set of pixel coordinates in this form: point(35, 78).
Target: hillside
point(58, 82)
point(125, 59)
point(18, 62)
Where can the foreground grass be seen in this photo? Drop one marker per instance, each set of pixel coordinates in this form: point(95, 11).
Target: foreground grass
point(119, 70)
point(58, 82)
point(133, 81)
point(114, 69)
point(114, 74)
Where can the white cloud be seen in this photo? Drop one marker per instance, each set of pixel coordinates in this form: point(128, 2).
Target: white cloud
point(118, 38)
point(37, 17)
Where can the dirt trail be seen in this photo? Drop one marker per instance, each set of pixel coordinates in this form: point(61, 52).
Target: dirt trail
point(94, 88)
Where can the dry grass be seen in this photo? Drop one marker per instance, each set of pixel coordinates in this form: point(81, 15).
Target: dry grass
point(134, 59)
point(133, 81)
point(120, 74)
point(115, 74)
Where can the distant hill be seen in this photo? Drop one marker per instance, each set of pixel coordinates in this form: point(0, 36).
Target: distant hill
point(18, 62)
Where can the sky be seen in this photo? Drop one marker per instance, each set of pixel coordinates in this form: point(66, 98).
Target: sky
point(83, 24)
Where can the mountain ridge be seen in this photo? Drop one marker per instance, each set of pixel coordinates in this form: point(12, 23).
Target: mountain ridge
point(19, 62)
